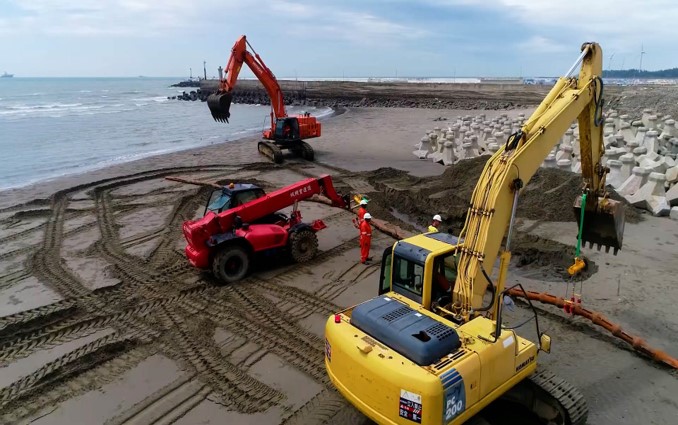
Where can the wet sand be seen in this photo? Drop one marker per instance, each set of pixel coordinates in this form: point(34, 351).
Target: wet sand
point(103, 321)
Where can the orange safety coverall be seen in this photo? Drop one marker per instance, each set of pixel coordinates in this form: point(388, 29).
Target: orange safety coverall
point(365, 240)
point(361, 214)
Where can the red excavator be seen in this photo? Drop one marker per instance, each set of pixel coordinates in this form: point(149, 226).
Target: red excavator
point(286, 132)
point(241, 220)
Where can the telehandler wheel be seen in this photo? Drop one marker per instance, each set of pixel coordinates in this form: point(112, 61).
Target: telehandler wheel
point(303, 245)
point(231, 264)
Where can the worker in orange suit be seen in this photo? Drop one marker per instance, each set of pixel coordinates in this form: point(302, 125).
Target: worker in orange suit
point(365, 238)
point(361, 214)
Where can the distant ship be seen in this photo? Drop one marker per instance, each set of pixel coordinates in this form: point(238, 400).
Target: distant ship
point(6, 75)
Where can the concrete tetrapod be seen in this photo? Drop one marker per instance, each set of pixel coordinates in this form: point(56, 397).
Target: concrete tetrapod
point(448, 153)
point(651, 196)
point(672, 196)
point(637, 179)
point(672, 174)
point(628, 162)
point(626, 132)
point(422, 148)
point(614, 178)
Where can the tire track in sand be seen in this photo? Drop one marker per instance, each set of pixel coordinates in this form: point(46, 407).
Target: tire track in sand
point(234, 387)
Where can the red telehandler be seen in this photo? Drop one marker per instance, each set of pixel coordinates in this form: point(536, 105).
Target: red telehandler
point(241, 220)
point(286, 132)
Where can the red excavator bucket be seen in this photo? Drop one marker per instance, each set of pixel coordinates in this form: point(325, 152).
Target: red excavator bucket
point(220, 105)
point(603, 225)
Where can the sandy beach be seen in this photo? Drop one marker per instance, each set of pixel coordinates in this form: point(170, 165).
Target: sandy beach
point(103, 321)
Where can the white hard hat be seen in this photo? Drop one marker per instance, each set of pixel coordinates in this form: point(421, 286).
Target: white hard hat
point(437, 218)
point(367, 216)
point(363, 202)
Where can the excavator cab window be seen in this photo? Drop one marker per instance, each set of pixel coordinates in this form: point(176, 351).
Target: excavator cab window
point(444, 276)
point(408, 278)
point(385, 278)
point(287, 129)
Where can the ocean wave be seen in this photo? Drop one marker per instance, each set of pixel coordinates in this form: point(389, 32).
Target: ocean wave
point(57, 110)
point(145, 101)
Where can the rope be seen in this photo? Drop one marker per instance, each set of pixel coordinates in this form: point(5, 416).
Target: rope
point(581, 225)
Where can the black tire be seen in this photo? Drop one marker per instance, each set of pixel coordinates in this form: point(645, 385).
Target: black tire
point(231, 263)
point(303, 245)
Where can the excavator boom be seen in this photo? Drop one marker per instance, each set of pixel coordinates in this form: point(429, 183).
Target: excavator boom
point(516, 162)
point(220, 102)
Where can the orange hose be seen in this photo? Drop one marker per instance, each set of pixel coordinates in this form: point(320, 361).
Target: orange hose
point(599, 319)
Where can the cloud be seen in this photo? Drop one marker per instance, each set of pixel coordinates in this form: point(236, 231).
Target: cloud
point(619, 18)
point(102, 17)
point(338, 22)
point(540, 44)
point(143, 18)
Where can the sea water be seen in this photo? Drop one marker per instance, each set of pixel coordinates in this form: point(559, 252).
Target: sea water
point(50, 127)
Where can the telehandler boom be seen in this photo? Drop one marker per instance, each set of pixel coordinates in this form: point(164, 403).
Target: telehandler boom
point(419, 353)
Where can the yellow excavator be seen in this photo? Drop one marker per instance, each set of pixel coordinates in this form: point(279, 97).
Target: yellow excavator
point(431, 347)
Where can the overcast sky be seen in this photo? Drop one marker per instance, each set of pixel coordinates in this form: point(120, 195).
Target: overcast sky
point(332, 38)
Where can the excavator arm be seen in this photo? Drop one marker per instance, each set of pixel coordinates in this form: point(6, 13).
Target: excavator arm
point(496, 194)
point(220, 102)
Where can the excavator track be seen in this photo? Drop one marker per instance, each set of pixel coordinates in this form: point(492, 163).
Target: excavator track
point(271, 150)
point(304, 151)
point(551, 398)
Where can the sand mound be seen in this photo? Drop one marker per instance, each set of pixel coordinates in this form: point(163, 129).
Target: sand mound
point(548, 196)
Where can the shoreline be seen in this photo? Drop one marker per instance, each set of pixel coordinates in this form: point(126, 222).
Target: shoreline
point(115, 169)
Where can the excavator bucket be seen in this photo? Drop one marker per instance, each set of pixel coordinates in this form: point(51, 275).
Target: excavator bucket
point(603, 225)
point(220, 105)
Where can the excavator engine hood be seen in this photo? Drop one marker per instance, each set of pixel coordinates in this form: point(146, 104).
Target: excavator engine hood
point(603, 224)
point(220, 105)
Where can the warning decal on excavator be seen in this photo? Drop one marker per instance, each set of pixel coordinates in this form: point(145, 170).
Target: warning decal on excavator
point(410, 406)
point(455, 395)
